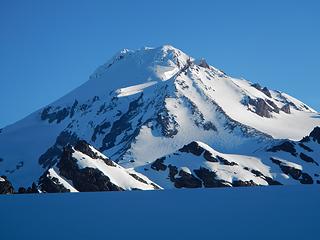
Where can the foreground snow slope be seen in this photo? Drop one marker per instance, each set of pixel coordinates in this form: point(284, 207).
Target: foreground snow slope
point(240, 213)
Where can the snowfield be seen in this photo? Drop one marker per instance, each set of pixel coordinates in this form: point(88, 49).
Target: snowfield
point(262, 213)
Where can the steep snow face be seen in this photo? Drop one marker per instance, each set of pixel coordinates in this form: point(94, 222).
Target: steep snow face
point(126, 179)
point(83, 168)
point(144, 104)
point(53, 174)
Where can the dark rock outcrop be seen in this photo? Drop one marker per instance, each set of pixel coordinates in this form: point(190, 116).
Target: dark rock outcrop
point(203, 63)
point(286, 108)
point(33, 189)
point(100, 129)
point(306, 158)
point(184, 179)
point(266, 91)
point(158, 165)
point(240, 183)
point(49, 184)
point(261, 107)
point(269, 180)
point(73, 108)
point(286, 146)
point(57, 116)
point(306, 179)
point(123, 124)
point(84, 147)
point(86, 179)
point(210, 179)
point(50, 157)
point(167, 123)
point(315, 134)
point(193, 148)
point(293, 172)
point(5, 186)
point(257, 86)
point(208, 156)
point(225, 161)
point(305, 147)
point(274, 106)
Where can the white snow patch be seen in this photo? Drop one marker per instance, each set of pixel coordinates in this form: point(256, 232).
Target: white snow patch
point(127, 91)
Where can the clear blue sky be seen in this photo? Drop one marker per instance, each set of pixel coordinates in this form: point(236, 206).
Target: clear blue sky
point(47, 48)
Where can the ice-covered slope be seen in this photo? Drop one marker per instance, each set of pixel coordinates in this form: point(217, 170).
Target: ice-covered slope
point(144, 104)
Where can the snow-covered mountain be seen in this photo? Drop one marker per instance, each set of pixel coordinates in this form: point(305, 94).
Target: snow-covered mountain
point(146, 105)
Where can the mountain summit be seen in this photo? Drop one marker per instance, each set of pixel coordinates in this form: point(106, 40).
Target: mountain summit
point(160, 113)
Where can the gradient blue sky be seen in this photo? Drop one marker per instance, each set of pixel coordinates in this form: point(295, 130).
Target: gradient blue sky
point(47, 48)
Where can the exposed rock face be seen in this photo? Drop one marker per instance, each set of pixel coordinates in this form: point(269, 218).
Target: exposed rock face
point(50, 157)
point(5, 186)
point(193, 148)
point(293, 172)
point(57, 116)
point(305, 147)
point(50, 184)
point(269, 180)
point(225, 161)
point(85, 148)
point(199, 173)
point(240, 183)
point(82, 168)
point(286, 108)
point(203, 63)
point(158, 164)
point(32, 189)
point(122, 125)
point(266, 91)
point(261, 107)
point(265, 107)
point(210, 179)
point(167, 123)
point(86, 179)
point(274, 106)
point(257, 86)
point(306, 158)
point(286, 146)
point(184, 179)
point(208, 156)
point(100, 129)
point(315, 134)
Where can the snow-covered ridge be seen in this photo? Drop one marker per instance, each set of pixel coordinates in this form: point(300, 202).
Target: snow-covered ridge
point(83, 168)
point(197, 165)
